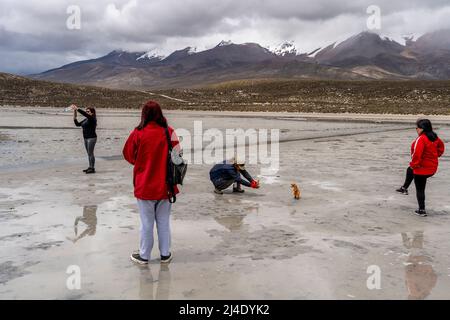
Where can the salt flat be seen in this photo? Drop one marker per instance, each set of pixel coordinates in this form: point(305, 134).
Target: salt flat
point(258, 245)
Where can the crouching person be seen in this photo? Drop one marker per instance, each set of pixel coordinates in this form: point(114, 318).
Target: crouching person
point(228, 173)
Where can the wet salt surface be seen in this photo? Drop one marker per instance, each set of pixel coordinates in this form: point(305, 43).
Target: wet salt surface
point(261, 244)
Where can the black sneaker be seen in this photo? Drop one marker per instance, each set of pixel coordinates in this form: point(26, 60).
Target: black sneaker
point(90, 170)
point(135, 257)
point(166, 259)
point(217, 191)
point(238, 190)
point(421, 213)
point(402, 190)
point(86, 169)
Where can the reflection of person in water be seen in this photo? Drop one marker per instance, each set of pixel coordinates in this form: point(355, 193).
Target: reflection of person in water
point(89, 218)
point(232, 223)
point(420, 277)
point(235, 221)
point(162, 284)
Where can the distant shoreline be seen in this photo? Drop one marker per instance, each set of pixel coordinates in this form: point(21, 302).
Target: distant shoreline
point(287, 115)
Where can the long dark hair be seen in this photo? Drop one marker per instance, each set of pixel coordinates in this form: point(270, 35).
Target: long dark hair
point(92, 109)
point(151, 111)
point(427, 128)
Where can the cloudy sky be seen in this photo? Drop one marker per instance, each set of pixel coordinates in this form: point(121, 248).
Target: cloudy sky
point(34, 35)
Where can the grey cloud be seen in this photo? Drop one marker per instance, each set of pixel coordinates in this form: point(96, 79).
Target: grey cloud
point(58, 42)
point(36, 29)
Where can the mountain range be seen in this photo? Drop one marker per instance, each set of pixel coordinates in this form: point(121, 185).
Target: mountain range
point(364, 56)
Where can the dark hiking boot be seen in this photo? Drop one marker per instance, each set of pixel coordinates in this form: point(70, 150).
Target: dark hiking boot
point(402, 190)
point(135, 257)
point(421, 213)
point(166, 259)
point(90, 170)
point(238, 190)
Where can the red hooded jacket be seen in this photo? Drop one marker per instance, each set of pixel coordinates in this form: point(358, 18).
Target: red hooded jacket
point(425, 154)
point(147, 150)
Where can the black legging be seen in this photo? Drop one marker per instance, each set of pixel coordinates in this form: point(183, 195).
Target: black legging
point(420, 181)
point(90, 145)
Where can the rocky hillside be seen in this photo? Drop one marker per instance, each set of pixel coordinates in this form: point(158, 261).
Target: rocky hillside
point(19, 91)
point(396, 97)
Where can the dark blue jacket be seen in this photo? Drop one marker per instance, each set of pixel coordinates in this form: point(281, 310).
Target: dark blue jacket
point(226, 173)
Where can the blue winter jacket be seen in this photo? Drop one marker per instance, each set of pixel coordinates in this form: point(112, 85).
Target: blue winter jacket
point(226, 173)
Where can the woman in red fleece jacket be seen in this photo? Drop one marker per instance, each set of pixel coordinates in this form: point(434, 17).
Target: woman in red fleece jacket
point(425, 151)
point(147, 149)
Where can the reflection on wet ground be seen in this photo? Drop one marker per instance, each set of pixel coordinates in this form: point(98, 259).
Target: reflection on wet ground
point(258, 245)
point(89, 218)
point(232, 223)
point(3, 137)
point(420, 276)
point(148, 286)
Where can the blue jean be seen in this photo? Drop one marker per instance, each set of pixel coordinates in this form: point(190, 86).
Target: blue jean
point(151, 211)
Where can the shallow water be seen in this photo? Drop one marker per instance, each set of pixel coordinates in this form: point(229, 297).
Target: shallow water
point(262, 244)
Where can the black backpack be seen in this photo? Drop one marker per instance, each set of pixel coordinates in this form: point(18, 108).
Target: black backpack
point(176, 169)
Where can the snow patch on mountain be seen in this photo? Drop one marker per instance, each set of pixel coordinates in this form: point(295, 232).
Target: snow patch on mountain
point(153, 54)
point(224, 43)
point(191, 50)
point(285, 48)
point(312, 54)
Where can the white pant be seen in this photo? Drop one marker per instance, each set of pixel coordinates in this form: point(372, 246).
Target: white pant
point(150, 211)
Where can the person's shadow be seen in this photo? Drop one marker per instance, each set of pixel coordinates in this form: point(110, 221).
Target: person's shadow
point(89, 218)
point(147, 284)
point(420, 277)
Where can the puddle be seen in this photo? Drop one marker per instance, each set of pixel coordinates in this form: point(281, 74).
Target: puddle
point(155, 289)
point(89, 224)
point(260, 244)
point(420, 277)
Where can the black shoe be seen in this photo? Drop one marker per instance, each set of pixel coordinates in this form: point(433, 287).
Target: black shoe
point(421, 213)
point(402, 190)
point(135, 257)
point(86, 169)
point(218, 191)
point(238, 190)
point(166, 259)
point(90, 170)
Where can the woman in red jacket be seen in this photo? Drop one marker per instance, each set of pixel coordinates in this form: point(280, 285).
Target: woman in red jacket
point(425, 151)
point(147, 149)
